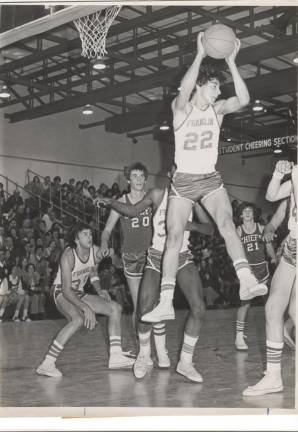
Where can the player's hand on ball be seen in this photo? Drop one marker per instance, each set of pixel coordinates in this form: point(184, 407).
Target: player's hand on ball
point(232, 56)
point(200, 47)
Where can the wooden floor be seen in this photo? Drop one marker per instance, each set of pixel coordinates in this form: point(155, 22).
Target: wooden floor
point(87, 382)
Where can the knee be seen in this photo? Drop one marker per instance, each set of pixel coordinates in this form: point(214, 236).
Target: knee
point(272, 311)
point(198, 311)
point(77, 322)
point(116, 308)
point(226, 225)
point(174, 237)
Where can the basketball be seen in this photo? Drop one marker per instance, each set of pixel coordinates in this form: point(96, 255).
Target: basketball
point(219, 41)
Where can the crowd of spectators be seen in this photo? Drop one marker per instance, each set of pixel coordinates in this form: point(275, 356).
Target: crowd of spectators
point(33, 233)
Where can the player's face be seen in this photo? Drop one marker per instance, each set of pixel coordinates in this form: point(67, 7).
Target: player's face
point(248, 214)
point(137, 180)
point(84, 238)
point(210, 91)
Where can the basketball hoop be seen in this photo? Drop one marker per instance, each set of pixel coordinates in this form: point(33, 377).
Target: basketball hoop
point(93, 31)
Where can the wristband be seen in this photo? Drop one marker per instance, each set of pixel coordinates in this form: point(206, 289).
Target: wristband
point(277, 175)
point(94, 278)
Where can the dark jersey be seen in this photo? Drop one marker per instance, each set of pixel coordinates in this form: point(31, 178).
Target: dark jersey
point(136, 232)
point(254, 245)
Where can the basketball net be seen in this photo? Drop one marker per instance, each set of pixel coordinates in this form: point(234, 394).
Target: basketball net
point(93, 31)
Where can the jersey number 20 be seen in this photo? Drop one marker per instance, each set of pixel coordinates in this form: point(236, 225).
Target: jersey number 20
point(135, 222)
point(192, 142)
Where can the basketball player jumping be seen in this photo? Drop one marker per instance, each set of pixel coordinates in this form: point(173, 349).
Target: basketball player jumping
point(283, 283)
point(251, 235)
point(197, 122)
point(187, 277)
point(78, 263)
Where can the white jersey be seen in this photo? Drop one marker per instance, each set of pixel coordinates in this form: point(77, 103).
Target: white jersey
point(292, 223)
point(196, 142)
point(80, 272)
point(159, 227)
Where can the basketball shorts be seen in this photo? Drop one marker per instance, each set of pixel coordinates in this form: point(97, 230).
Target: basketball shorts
point(57, 292)
point(289, 251)
point(154, 259)
point(261, 271)
point(195, 187)
point(134, 263)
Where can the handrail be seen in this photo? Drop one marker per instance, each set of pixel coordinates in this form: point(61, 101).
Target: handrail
point(51, 196)
point(100, 224)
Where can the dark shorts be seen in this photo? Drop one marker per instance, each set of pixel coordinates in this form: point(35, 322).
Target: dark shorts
point(154, 259)
point(134, 263)
point(261, 271)
point(289, 251)
point(195, 187)
point(57, 292)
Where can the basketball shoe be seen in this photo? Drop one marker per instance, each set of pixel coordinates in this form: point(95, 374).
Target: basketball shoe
point(270, 383)
point(240, 343)
point(118, 360)
point(49, 369)
point(163, 311)
point(250, 287)
point(141, 365)
point(188, 370)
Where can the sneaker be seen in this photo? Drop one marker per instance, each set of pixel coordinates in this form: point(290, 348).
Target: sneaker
point(140, 366)
point(288, 339)
point(119, 361)
point(240, 343)
point(26, 319)
point(270, 383)
point(49, 369)
point(188, 370)
point(250, 288)
point(149, 361)
point(163, 311)
point(163, 360)
point(16, 319)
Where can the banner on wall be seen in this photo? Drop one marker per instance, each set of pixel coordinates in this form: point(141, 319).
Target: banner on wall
point(268, 143)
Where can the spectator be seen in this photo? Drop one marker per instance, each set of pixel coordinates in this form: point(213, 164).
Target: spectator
point(31, 286)
point(17, 295)
point(4, 295)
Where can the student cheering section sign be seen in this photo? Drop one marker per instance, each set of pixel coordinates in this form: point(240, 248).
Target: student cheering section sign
point(266, 143)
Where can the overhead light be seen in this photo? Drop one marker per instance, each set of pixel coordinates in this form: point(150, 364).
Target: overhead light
point(87, 110)
point(4, 92)
point(99, 64)
point(257, 105)
point(295, 59)
point(277, 149)
point(164, 126)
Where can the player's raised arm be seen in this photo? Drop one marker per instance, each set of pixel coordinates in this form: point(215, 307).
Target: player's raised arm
point(189, 80)
point(277, 191)
point(242, 97)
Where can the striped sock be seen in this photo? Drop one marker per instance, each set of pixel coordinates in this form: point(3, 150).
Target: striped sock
point(241, 267)
point(167, 288)
point(274, 352)
point(115, 344)
point(188, 348)
point(144, 339)
point(240, 326)
point(54, 351)
point(159, 331)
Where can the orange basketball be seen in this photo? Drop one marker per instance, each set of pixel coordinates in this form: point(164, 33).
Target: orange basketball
point(219, 41)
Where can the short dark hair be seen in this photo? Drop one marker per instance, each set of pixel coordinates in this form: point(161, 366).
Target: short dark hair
point(208, 72)
point(74, 231)
point(138, 166)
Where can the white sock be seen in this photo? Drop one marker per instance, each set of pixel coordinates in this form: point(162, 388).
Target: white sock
point(115, 344)
point(159, 330)
point(144, 339)
point(188, 348)
point(167, 288)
